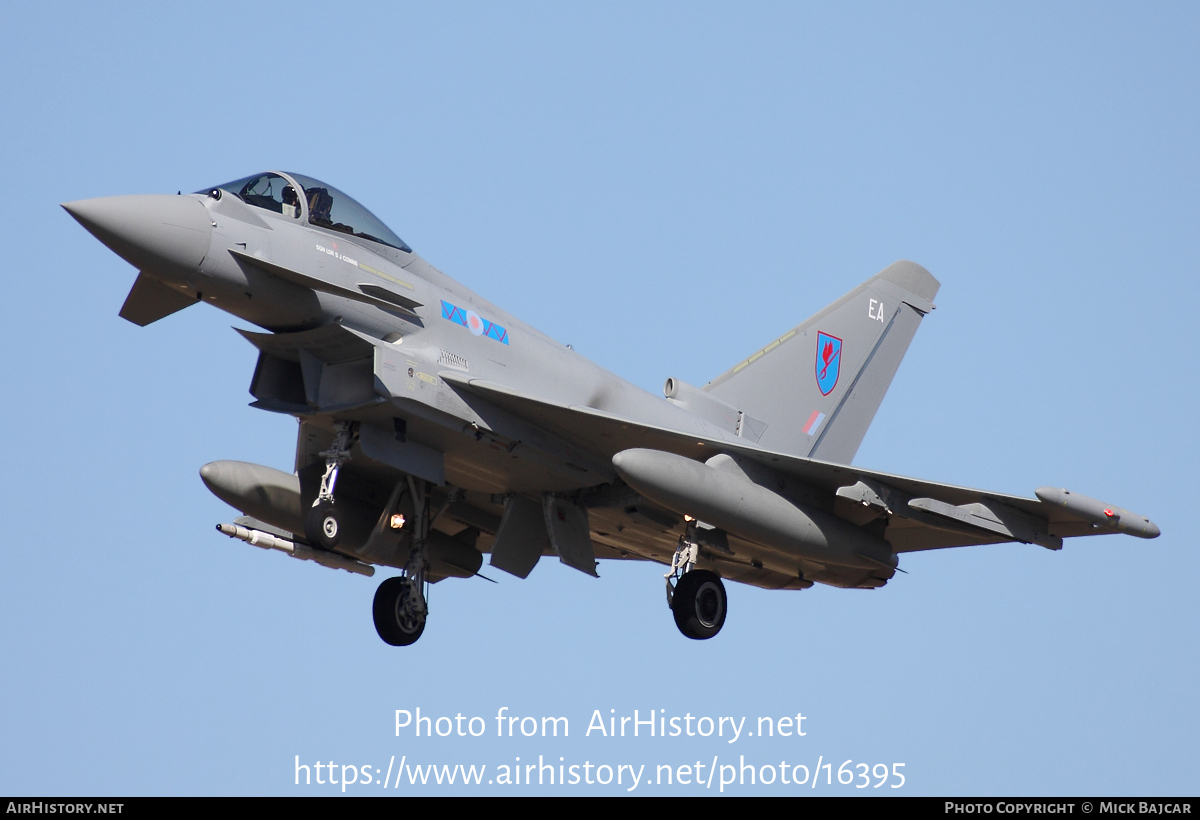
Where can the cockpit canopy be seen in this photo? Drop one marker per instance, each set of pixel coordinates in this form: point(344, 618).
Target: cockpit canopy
point(325, 206)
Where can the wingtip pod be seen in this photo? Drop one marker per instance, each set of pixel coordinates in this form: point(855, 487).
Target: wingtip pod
point(1099, 513)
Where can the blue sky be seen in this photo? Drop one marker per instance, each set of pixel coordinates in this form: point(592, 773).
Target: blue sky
point(666, 187)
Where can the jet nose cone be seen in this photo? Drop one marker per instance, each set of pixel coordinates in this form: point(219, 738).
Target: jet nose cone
point(150, 230)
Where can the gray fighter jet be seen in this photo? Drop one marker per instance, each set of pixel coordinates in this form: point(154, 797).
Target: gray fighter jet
point(435, 427)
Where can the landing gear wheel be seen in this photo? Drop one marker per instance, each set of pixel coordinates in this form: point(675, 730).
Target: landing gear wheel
point(323, 525)
point(699, 604)
point(393, 620)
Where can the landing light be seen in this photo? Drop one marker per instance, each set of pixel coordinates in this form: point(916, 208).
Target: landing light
point(397, 521)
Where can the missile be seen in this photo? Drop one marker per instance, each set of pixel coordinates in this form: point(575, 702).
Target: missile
point(720, 493)
point(268, 541)
point(1099, 513)
point(448, 557)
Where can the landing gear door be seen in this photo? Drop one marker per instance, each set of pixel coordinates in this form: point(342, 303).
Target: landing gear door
point(570, 536)
point(521, 539)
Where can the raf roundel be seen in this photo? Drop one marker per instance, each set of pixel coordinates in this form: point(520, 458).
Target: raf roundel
point(474, 323)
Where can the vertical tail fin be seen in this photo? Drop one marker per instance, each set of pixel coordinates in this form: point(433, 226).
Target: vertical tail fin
point(817, 387)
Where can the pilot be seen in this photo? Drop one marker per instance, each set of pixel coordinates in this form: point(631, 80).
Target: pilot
point(291, 202)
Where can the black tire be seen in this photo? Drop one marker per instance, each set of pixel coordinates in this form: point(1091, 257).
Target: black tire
point(392, 628)
point(323, 526)
point(699, 604)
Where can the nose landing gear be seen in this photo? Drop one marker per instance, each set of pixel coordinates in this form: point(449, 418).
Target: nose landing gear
point(323, 525)
point(323, 522)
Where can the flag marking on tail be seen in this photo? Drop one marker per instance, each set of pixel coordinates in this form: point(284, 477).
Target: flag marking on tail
point(829, 362)
point(814, 422)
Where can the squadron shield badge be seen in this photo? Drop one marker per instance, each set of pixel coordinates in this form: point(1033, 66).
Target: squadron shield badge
point(829, 362)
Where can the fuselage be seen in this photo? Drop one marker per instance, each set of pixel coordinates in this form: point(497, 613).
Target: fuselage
point(410, 386)
point(200, 244)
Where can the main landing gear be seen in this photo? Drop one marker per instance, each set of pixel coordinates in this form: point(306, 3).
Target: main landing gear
point(400, 606)
point(397, 619)
point(697, 597)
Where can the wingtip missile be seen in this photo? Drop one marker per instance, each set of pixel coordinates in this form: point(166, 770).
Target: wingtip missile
point(1099, 513)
